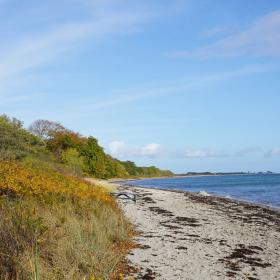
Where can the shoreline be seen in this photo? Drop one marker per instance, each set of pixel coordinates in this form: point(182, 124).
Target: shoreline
point(229, 199)
point(125, 181)
point(185, 235)
point(117, 180)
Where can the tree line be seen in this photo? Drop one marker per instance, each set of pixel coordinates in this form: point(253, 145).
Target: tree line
point(53, 143)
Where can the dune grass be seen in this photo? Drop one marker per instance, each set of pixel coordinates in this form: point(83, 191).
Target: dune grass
point(107, 186)
point(55, 226)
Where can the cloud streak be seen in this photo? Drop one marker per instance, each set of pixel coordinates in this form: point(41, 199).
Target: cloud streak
point(34, 52)
point(38, 50)
point(203, 153)
point(133, 95)
point(275, 152)
point(261, 38)
point(120, 149)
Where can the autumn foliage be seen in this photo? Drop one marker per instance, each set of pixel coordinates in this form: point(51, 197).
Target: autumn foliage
point(57, 226)
point(21, 180)
point(54, 224)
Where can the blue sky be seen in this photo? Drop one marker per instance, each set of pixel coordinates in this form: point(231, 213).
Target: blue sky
point(185, 85)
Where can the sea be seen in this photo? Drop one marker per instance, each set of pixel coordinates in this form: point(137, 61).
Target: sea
point(260, 188)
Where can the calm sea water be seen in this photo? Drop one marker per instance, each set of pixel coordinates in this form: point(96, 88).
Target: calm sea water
point(261, 189)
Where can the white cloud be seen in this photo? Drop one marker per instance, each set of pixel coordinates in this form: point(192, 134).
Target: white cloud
point(211, 153)
point(202, 153)
point(247, 151)
point(273, 152)
point(214, 31)
point(150, 150)
point(119, 149)
point(261, 38)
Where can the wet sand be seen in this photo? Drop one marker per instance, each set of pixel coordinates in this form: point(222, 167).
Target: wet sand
point(190, 236)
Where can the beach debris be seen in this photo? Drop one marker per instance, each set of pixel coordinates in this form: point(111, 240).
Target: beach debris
point(124, 195)
point(149, 275)
point(244, 255)
point(161, 211)
point(181, 248)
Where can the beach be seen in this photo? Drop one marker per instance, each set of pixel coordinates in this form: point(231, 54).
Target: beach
point(185, 235)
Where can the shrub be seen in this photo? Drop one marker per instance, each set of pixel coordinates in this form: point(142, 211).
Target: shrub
point(15, 141)
point(57, 227)
point(72, 159)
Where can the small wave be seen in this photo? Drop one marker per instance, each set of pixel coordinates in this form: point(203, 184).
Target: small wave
point(204, 193)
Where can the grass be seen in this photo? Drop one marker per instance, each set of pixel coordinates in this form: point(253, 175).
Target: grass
point(108, 187)
point(55, 226)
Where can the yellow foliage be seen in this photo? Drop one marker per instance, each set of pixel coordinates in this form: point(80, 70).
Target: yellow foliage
point(57, 226)
point(22, 180)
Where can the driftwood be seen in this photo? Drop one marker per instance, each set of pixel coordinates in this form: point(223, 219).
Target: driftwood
point(124, 195)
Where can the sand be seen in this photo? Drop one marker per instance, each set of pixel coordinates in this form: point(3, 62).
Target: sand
point(190, 236)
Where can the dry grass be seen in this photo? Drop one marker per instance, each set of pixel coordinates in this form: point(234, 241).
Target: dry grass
point(106, 185)
point(69, 235)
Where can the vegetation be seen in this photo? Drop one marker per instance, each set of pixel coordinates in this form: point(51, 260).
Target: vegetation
point(84, 155)
point(61, 146)
point(16, 142)
point(56, 225)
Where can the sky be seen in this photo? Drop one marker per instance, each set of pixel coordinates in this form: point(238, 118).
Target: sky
point(186, 85)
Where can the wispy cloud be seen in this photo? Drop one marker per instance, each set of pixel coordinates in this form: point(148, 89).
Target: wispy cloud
point(214, 31)
point(20, 98)
point(120, 149)
point(273, 152)
point(261, 38)
point(212, 153)
point(38, 50)
point(181, 87)
point(200, 153)
point(248, 151)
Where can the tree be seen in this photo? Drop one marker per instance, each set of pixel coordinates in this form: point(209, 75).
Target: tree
point(130, 167)
point(15, 141)
point(46, 129)
point(63, 140)
point(95, 158)
point(114, 168)
point(72, 158)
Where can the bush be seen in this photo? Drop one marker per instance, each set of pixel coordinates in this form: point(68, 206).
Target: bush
point(57, 227)
point(15, 141)
point(72, 159)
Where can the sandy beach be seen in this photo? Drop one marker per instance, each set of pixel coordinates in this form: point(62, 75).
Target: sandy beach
point(190, 236)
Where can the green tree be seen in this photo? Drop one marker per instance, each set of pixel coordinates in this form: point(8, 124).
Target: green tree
point(95, 158)
point(115, 169)
point(15, 141)
point(72, 159)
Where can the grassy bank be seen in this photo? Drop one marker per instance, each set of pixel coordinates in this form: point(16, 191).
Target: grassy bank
point(56, 226)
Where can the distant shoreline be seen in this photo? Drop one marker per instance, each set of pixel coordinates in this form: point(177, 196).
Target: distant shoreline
point(118, 180)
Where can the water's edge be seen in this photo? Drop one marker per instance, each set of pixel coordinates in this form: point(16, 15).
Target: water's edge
point(125, 183)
